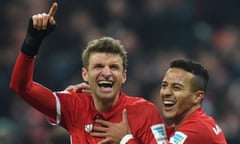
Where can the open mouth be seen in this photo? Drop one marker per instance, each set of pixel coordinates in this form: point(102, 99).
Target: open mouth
point(105, 84)
point(168, 103)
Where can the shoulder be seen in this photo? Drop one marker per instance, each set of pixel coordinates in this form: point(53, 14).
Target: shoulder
point(204, 122)
point(200, 128)
point(72, 96)
point(143, 108)
point(139, 103)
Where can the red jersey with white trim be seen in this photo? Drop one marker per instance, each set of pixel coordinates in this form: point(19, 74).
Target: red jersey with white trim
point(198, 128)
point(79, 113)
point(76, 111)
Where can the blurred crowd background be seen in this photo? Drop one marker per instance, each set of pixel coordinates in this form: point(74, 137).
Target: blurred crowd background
point(153, 31)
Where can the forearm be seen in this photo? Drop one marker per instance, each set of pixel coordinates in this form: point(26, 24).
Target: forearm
point(35, 94)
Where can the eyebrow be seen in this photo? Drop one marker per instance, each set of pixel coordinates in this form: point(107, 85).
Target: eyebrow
point(174, 84)
point(178, 84)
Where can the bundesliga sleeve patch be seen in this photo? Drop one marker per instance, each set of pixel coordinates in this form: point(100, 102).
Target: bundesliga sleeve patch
point(159, 133)
point(178, 138)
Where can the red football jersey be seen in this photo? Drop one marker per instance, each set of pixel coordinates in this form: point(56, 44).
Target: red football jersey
point(76, 112)
point(198, 128)
point(78, 115)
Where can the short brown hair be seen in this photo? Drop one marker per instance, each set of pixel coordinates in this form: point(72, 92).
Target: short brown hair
point(104, 45)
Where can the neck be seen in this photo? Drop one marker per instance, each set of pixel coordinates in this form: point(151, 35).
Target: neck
point(103, 105)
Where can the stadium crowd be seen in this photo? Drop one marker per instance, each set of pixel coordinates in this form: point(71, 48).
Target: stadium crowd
point(153, 31)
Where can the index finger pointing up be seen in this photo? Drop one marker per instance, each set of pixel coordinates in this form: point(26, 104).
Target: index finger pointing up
point(53, 9)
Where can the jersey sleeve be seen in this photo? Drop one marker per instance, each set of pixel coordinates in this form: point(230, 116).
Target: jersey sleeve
point(32, 92)
point(72, 109)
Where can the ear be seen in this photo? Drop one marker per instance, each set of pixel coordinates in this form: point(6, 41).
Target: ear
point(124, 76)
point(84, 74)
point(199, 95)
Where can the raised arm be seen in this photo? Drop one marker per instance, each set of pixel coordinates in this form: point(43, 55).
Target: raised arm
point(21, 83)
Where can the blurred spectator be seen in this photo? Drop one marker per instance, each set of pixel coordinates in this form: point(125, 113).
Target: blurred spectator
point(8, 131)
point(58, 135)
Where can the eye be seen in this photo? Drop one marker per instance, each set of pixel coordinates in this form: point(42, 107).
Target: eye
point(163, 85)
point(114, 67)
point(177, 88)
point(98, 66)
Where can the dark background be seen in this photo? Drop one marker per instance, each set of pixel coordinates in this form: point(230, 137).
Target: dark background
point(153, 31)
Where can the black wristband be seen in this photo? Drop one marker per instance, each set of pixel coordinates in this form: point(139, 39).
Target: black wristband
point(34, 37)
point(31, 45)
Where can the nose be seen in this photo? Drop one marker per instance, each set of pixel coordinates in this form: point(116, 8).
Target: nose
point(165, 91)
point(106, 71)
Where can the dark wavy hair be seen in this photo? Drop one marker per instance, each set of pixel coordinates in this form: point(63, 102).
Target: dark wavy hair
point(199, 82)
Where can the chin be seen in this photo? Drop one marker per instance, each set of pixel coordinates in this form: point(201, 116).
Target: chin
point(168, 115)
point(106, 96)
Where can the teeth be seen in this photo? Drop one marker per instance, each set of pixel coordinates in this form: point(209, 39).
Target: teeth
point(104, 82)
point(168, 102)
